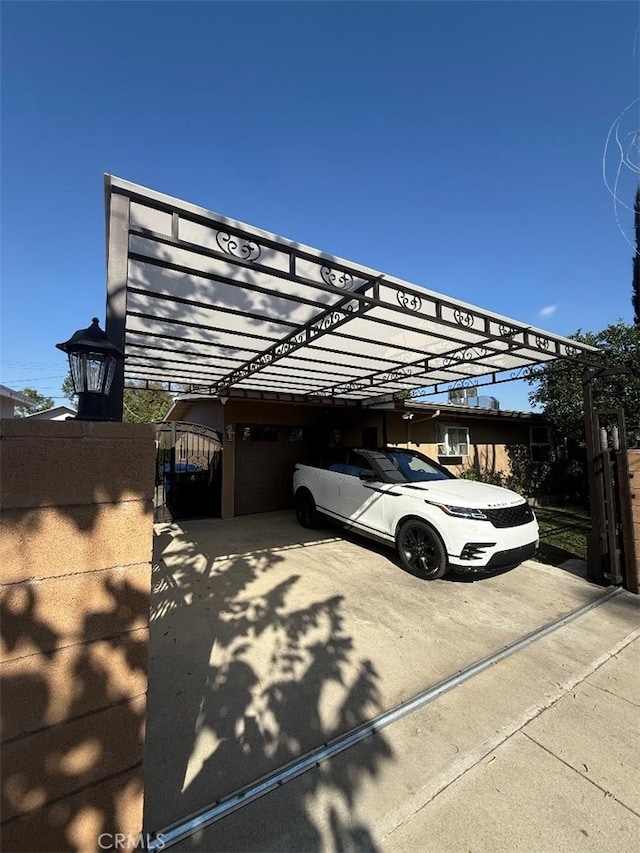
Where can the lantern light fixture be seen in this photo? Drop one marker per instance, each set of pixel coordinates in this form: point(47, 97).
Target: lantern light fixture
point(92, 361)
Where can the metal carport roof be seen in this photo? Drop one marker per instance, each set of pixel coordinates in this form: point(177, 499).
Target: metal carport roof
point(213, 305)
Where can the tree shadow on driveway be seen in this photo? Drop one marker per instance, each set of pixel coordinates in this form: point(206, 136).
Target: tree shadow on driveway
point(248, 672)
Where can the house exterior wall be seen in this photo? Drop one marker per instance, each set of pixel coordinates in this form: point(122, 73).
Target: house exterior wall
point(489, 440)
point(206, 412)
point(75, 571)
point(237, 412)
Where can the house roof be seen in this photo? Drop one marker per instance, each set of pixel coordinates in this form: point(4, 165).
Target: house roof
point(18, 399)
point(211, 304)
point(180, 408)
point(451, 410)
point(53, 412)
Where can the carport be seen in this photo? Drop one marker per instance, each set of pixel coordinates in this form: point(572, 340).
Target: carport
point(226, 311)
point(268, 643)
point(211, 305)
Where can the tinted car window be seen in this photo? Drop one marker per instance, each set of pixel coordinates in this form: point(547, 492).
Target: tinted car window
point(389, 467)
point(416, 469)
point(360, 462)
point(353, 463)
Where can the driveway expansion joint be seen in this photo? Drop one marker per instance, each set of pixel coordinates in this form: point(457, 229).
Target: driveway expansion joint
point(581, 774)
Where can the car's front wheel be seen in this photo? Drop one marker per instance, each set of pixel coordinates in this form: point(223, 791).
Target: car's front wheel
point(306, 511)
point(421, 550)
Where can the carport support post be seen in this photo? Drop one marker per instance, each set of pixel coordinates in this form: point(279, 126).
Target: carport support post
point(597, 540)
point(117, 265)
point(228, 470)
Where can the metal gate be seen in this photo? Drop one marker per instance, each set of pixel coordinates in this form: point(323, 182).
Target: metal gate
point(610, 547)
point(188, 471)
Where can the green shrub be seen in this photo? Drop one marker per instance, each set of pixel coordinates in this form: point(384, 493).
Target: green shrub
point(560, 479)
point(494, 478)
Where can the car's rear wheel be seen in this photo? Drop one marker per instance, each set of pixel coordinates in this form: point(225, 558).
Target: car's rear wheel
point(306, 511)
point(421, 550)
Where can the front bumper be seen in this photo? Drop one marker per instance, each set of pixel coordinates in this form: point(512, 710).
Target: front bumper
point(486, 548)
point(500, 560)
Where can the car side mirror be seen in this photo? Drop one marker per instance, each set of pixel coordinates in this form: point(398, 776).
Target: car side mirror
point(367, 475)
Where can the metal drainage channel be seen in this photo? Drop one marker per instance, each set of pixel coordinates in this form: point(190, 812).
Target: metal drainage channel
point(183, 829)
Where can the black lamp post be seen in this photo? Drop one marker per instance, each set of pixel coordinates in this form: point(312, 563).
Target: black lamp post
point(92, 359)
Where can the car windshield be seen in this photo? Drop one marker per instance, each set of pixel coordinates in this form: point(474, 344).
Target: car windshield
point(413, 467)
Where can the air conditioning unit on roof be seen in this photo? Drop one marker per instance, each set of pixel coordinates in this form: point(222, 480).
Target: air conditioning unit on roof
point(460, 396)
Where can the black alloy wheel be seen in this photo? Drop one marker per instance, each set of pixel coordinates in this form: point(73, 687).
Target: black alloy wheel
point(306, 511)
point(421, 550)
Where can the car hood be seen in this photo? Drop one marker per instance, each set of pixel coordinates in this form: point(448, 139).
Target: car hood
point(467, 493)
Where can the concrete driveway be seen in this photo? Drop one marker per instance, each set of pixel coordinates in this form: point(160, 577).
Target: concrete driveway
point(268, 640)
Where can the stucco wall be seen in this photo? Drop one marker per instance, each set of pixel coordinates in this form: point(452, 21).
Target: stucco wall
point(206, 412)
point(267, 412)
point(253, 412)
point(488, 440)
point(75, 552)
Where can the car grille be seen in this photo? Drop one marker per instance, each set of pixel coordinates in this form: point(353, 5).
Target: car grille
point(512, 516)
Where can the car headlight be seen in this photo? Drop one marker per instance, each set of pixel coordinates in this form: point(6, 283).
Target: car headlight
point(460, 511)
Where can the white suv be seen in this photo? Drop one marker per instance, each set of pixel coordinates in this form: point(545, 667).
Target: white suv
point(435, 520)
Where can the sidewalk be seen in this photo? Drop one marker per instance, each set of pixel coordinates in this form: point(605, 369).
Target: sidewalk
point(567, 780)
point(541, 753)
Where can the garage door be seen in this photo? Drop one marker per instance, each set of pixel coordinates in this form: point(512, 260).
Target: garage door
point(265, 459)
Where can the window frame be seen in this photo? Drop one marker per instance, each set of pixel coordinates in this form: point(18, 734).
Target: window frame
point(543, 449)
point(444, 444)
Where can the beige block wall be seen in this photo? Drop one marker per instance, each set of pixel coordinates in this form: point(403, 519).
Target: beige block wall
point(75, 551)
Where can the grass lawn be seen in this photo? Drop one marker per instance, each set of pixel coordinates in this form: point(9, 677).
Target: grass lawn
point(563, 533)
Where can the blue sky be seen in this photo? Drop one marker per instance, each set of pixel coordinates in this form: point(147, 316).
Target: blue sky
point(457, 145)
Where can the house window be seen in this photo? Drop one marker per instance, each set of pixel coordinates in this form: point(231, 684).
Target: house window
point(453, 440)
point(259, 433)
point(540, 443)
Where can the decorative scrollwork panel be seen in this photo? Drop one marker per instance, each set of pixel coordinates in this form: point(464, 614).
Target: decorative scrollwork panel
point(464, 355)
point(238, 247)
point(409, 300)
point(337, 278)
point(327, 322)
point(350, 387)
point(463, 383)
point(399, 373)
point(526, 372)
point(463, 318)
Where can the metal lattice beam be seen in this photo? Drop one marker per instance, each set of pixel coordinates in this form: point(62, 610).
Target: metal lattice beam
point(329, 320)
